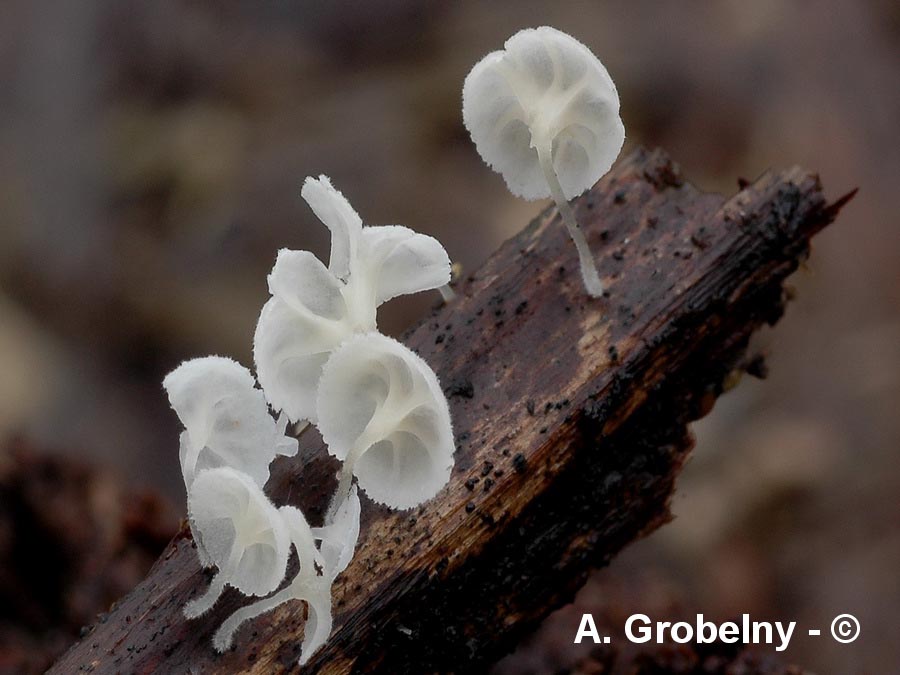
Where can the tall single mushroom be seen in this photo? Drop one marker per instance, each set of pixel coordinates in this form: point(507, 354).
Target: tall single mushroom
point(544, 113)
point(382, 412)
point(238, 530)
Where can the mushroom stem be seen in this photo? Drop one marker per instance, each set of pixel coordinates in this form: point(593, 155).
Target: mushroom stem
point(447, 293)
point(224, 636)
point(588, 268)
point(345, 478)
point(343, 490)
point(205, 602)
point(318, 621)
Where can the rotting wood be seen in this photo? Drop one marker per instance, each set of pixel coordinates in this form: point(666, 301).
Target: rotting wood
point(571, 422)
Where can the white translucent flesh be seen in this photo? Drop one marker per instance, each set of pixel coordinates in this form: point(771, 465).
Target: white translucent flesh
point(224, 636)
point(381, 410)
point(290, 348)
point(239, 530)
point(544, 91)
point(339, 537)
point(303, 540)
point(398, 261)
point(314, 308)
point(226, 419)
point(307, 586)
point(307, 286)
point(316, 592)
point(447, 293)
point(333, 209)
point(204, 603)
point(544, 113)
point(313, 314)
point(318, 620)
point(586, 263)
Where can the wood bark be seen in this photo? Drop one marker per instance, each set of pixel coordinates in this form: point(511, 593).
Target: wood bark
point(571, 419)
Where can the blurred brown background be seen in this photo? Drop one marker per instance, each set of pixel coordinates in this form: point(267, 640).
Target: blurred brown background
point(151, 156)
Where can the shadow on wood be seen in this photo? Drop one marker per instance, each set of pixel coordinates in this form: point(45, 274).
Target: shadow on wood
point(571, 422)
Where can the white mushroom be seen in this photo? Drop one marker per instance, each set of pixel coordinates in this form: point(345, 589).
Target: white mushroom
point(544, 113)
point(238, 530)
point(308, 585)
point(314, 308)
point(380, 408)
point(226, 419)
point(382, 412)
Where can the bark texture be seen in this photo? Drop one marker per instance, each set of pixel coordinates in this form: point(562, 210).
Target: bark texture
point(571, 422)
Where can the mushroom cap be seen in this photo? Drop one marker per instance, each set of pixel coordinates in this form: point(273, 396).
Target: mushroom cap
point(393, 260)
point(314, 308)
point(383, 404)
point(226, 419)
point(544, 89)
point(289, 349)
point(234, 522)
point(399, 261)
point(333, 209)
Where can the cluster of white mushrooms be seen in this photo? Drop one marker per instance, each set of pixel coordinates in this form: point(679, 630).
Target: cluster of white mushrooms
point(319, 359)
point(545, 114)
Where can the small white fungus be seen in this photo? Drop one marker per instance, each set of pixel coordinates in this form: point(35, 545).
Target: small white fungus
point(238, 530)
point(382, 412)
point(544, 113)
point(308, 585)
point(314, 308)
point(379, 407)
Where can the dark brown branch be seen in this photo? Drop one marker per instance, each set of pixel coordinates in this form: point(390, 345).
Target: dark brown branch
point(571, 421)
